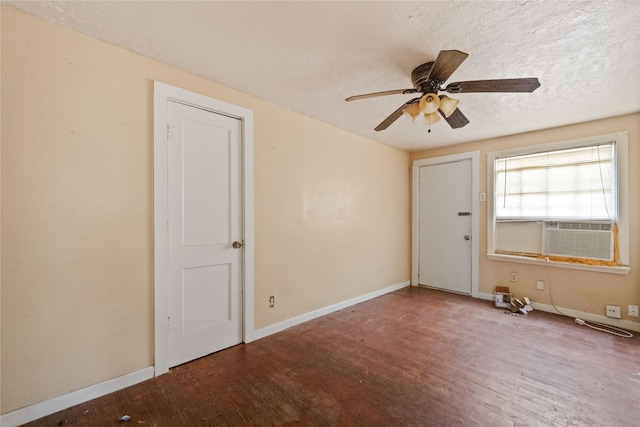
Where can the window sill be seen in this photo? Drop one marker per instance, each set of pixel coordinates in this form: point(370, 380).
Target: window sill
point(622, 269)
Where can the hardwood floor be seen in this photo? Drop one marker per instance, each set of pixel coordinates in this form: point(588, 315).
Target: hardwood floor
point(415, 357)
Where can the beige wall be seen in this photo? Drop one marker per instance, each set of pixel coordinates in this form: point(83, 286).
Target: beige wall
point(577, 290)
point(332, 217)
point(331, 210)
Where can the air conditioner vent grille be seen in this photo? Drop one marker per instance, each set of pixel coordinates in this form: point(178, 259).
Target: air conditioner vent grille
point(578, 239)
point(595, 226)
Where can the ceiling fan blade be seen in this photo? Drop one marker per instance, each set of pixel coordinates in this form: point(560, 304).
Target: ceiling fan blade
point(501, 85)
point(384, 93)
point(446, 63)
point(394, 116)
point(456, 119)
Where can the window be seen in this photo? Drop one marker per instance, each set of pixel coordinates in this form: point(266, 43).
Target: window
point(565, 201)
point(574, 183)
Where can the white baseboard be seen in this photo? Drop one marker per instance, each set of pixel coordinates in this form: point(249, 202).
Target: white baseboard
point(488, 297)
point(47, 407)
point(281, 326)
point(618, 323)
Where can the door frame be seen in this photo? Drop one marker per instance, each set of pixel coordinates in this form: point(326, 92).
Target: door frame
point(474, 156)
point(162, 94)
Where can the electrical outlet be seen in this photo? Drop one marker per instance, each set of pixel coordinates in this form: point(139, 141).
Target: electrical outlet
point(513, 277)
point(483, 197)
point(540, 285)
point(272, 301)
point(633, 310)
point(613, 311)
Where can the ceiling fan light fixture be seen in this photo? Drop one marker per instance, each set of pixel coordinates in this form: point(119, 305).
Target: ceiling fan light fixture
point(432, 118)
point(429, 103)
point(412, 111)
point(448, 105)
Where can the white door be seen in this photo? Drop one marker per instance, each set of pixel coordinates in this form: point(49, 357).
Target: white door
point(444, 229)
point(204, 221)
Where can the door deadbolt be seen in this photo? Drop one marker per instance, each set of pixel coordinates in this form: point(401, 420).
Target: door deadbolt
point(237, 245)
point(467, 237)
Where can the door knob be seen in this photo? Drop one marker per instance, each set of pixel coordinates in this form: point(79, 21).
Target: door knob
point(237, 245)
point(467, 237)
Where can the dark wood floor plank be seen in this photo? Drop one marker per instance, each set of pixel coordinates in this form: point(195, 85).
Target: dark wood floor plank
point(415, 357)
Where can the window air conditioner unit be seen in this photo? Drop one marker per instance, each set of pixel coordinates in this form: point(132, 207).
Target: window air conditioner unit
point(592, 240)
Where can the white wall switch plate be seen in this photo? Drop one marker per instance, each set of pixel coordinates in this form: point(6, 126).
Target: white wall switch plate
point(540, 285)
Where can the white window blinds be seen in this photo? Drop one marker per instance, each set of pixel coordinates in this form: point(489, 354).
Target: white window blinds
point(576, 183)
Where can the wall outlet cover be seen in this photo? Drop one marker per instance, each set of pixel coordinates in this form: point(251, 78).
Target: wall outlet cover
point(613, 311)
point(633, 310)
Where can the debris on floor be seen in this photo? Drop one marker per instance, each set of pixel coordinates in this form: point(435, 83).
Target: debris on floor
point(124, 418)
point(527, 304)
point(518, 306)
point(504, 299)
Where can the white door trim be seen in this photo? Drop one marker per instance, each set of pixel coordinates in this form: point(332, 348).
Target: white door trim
point(474, 156)
point(163, 93)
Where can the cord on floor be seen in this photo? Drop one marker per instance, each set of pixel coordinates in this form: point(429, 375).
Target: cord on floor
point(593, 325)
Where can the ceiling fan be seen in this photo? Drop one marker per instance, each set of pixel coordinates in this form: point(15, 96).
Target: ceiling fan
point(429, 78)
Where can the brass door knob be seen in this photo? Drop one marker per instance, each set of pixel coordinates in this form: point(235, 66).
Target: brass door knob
point(237, 245)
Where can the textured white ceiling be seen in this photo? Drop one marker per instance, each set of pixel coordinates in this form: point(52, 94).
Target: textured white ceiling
point(310, 56)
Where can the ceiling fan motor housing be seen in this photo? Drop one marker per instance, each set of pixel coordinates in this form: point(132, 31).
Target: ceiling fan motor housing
point(421, 81)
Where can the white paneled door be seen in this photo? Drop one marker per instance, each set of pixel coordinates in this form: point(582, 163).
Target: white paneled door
point(444, 233)
point(205, 232)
